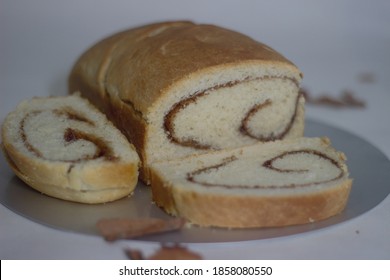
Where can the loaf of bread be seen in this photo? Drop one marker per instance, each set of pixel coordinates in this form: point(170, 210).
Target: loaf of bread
point(177, 89)
point(66, 148)
point(273, 184)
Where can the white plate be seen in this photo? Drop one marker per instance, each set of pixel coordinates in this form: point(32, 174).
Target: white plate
point(368, 167)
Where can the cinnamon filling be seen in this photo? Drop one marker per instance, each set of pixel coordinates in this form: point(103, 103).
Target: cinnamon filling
point(170, 128)
point(70, 135)
point(102, 150)
point(268, 164)
point(169, 118)
point(23, 135)
point(244, 124)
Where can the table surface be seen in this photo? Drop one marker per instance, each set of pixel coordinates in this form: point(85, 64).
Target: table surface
point(339, 45)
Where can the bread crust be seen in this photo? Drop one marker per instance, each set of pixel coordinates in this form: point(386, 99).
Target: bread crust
point(157, 66)
point(249, 211)
point(85, 185)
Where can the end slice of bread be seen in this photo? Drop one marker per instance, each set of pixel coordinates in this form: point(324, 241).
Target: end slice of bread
point(65, 148)
point(263, 185)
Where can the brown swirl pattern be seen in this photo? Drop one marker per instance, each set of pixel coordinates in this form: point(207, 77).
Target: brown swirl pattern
point(270, 165)
point(70, 135)
point(243, 129)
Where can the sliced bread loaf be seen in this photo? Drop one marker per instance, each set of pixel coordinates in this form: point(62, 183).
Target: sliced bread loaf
point(178, 88)
point(272, 184)
point(65, 148)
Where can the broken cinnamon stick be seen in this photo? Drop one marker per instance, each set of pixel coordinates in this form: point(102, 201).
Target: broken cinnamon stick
point(173, 252)
point(126, 228)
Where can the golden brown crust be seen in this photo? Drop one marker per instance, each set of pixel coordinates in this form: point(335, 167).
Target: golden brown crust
point(200, 47)
point(250, 211)
point(158, 66)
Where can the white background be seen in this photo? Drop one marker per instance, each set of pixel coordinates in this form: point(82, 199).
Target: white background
point(332, 42)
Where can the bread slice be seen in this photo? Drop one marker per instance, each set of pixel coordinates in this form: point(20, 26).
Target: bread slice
point(263, 185)
point(65, 148)
point(177, 88)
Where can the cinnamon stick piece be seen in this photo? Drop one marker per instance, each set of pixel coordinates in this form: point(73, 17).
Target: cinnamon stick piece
point(166, 252)
point(126, 228)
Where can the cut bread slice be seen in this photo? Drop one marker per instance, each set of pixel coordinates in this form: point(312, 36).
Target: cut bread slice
point(263, 185)
point(177, 89)
point(65, 148)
